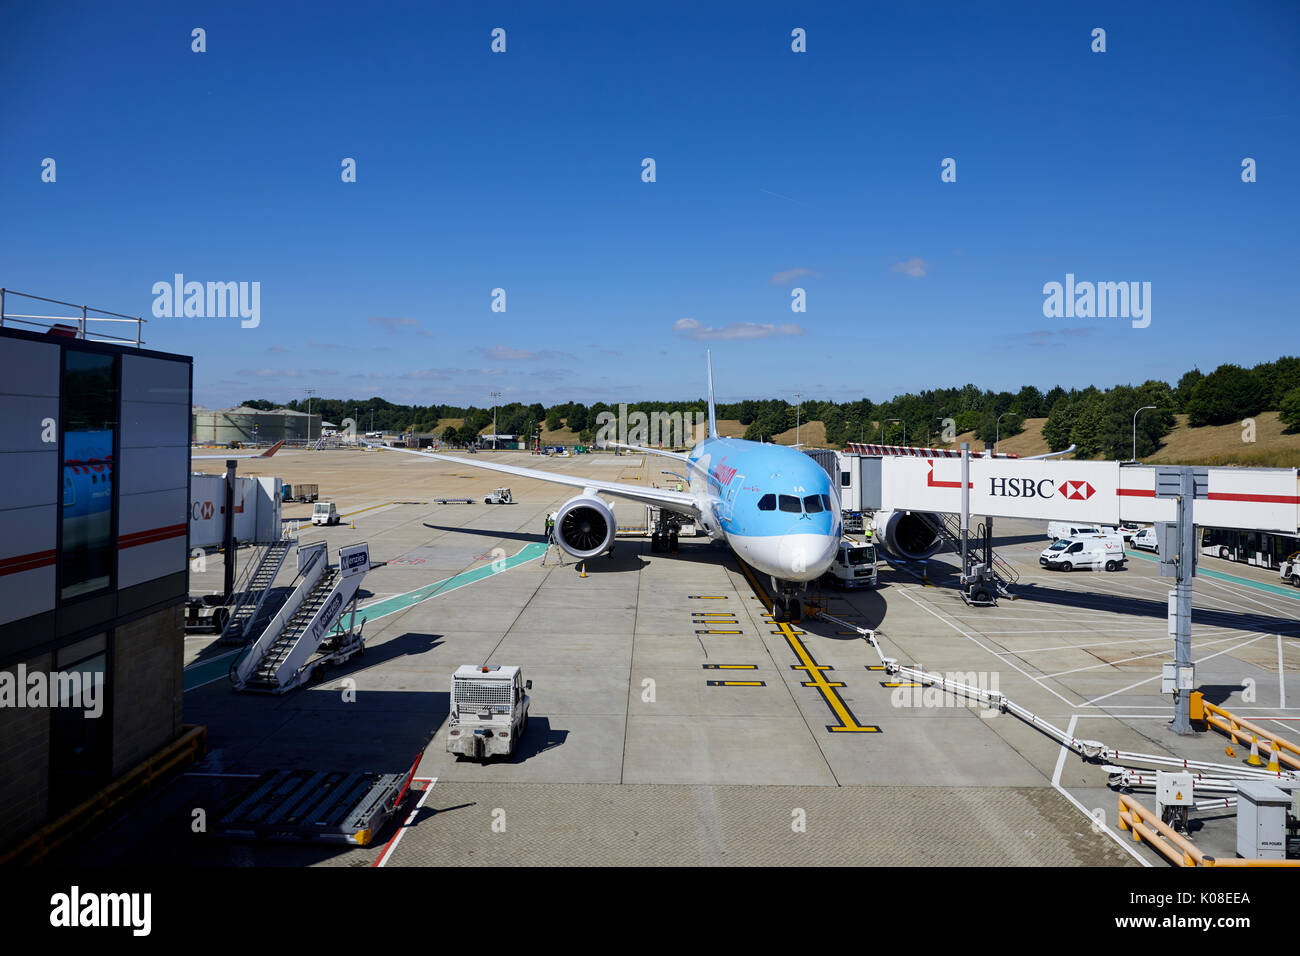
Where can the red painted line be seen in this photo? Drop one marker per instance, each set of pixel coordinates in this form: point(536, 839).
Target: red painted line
point(1221, 496)
point(931, 483)
point(1270, 499)
point(26, 562)
point(151, 536)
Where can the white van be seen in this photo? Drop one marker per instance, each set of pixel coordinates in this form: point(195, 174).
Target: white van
point(1063, 529)
point(1087, 551)
point(1146, 540)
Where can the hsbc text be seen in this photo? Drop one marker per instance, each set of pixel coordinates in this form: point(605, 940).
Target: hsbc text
point(1021, 488)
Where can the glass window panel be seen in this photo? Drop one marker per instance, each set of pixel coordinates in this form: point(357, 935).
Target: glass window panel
point(89, 428)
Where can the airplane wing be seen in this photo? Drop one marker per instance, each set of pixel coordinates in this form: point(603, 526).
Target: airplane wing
point(265, 454)
point(676, 500)
point(650, 451)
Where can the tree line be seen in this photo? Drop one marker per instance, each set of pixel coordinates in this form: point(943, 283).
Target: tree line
point(1099, 422)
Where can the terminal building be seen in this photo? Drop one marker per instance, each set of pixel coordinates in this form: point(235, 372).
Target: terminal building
point(244, 424)
point(94, 504)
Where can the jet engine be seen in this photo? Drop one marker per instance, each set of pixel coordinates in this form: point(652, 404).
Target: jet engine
point(584, 526)
point(908, 534)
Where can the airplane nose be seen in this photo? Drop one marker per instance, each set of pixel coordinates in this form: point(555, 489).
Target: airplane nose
point(804, 556)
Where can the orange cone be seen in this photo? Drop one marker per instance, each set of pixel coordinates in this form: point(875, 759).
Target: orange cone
point(1273, 764)
point(1253, 759)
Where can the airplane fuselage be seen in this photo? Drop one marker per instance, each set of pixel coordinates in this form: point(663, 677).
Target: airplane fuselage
point(774, 505)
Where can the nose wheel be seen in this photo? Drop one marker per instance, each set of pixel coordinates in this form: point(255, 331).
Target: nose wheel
point(787, 609)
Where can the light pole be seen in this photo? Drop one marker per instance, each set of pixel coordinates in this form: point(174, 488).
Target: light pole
point(1135, 428)
point(495, 396)
point(997, 434)
point(310, 392)
point(797, 404)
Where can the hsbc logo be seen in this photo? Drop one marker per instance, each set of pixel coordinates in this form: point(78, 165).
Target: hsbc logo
point(1043, 488)
point(1077, 490)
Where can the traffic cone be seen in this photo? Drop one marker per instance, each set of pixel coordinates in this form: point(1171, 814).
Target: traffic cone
point(1273, 764)
point(1229, 751)
point(582, 570)
point(1253, 759)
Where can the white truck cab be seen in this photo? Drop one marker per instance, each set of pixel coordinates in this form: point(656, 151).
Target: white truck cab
point(854, 566)
point(1085, 551)
point(324, 512)
point(501, 496)
point(489, 710)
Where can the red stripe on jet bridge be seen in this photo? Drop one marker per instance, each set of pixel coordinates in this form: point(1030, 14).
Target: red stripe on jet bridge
point(26, 562)
point(1220, 496)
point(151, 536)
point(1270, 499)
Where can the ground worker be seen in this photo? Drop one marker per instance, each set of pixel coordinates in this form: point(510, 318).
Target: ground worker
point(550, 525)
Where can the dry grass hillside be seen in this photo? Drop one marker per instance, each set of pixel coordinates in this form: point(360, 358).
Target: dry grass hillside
point(1028, 442)
point(1224, 444)
point(1207, 445)
point(811, 434)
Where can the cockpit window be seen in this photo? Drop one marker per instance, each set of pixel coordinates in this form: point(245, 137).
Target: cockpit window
point(790, 503)
point(767, 503)
point(826, 500)
point(813, 505)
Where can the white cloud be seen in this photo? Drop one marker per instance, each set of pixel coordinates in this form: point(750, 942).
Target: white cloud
point(398, 323)
point(789, 275)
point(508, 354)
point(693, 329)
point(914, 267)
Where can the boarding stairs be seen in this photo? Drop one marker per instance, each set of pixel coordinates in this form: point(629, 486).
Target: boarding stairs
point(978, 547)
point(256, 586)
point(307, 632)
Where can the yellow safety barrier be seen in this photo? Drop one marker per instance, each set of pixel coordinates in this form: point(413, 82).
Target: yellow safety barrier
point(1170, 844)
point(1283, 751)
point(189, 746)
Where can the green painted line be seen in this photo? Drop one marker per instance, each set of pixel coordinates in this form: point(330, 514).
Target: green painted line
point(1292, 593)
point(400, 602)
point(196, 675)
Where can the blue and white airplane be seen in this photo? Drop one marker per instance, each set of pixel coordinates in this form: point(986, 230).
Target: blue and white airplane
point(774, 506)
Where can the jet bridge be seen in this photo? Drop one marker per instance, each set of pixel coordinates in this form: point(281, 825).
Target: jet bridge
point(307, 632)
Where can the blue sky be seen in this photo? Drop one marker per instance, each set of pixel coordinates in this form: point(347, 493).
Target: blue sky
point(775, 170)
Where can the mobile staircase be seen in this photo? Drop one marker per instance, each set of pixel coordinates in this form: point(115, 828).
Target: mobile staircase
point(979, 548)
point(307, 632)
point(258, 579)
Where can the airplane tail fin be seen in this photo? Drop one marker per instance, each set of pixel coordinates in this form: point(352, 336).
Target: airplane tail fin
point(713, 417)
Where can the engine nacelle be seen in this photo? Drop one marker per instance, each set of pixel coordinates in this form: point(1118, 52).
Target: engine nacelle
point(908, 534)
point(584, 526)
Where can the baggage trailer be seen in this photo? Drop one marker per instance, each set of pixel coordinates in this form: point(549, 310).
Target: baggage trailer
point(306, 493)
point(301, 806)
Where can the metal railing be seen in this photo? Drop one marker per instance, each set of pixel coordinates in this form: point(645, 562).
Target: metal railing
point(57, 324)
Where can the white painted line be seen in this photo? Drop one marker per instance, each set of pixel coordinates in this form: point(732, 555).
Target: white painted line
point(1228, 650)
point(1129, 660)
point(933, 613)
point(1056, 783)
point(1281, 675)
point(410, 817)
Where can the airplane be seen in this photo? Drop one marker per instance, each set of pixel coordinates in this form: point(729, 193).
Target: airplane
point(773, 505)
point(265, 454)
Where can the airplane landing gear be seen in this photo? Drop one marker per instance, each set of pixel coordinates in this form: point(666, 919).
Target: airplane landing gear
point(787, 605)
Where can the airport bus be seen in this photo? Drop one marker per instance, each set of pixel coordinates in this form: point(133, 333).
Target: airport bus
point(1264, 549)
